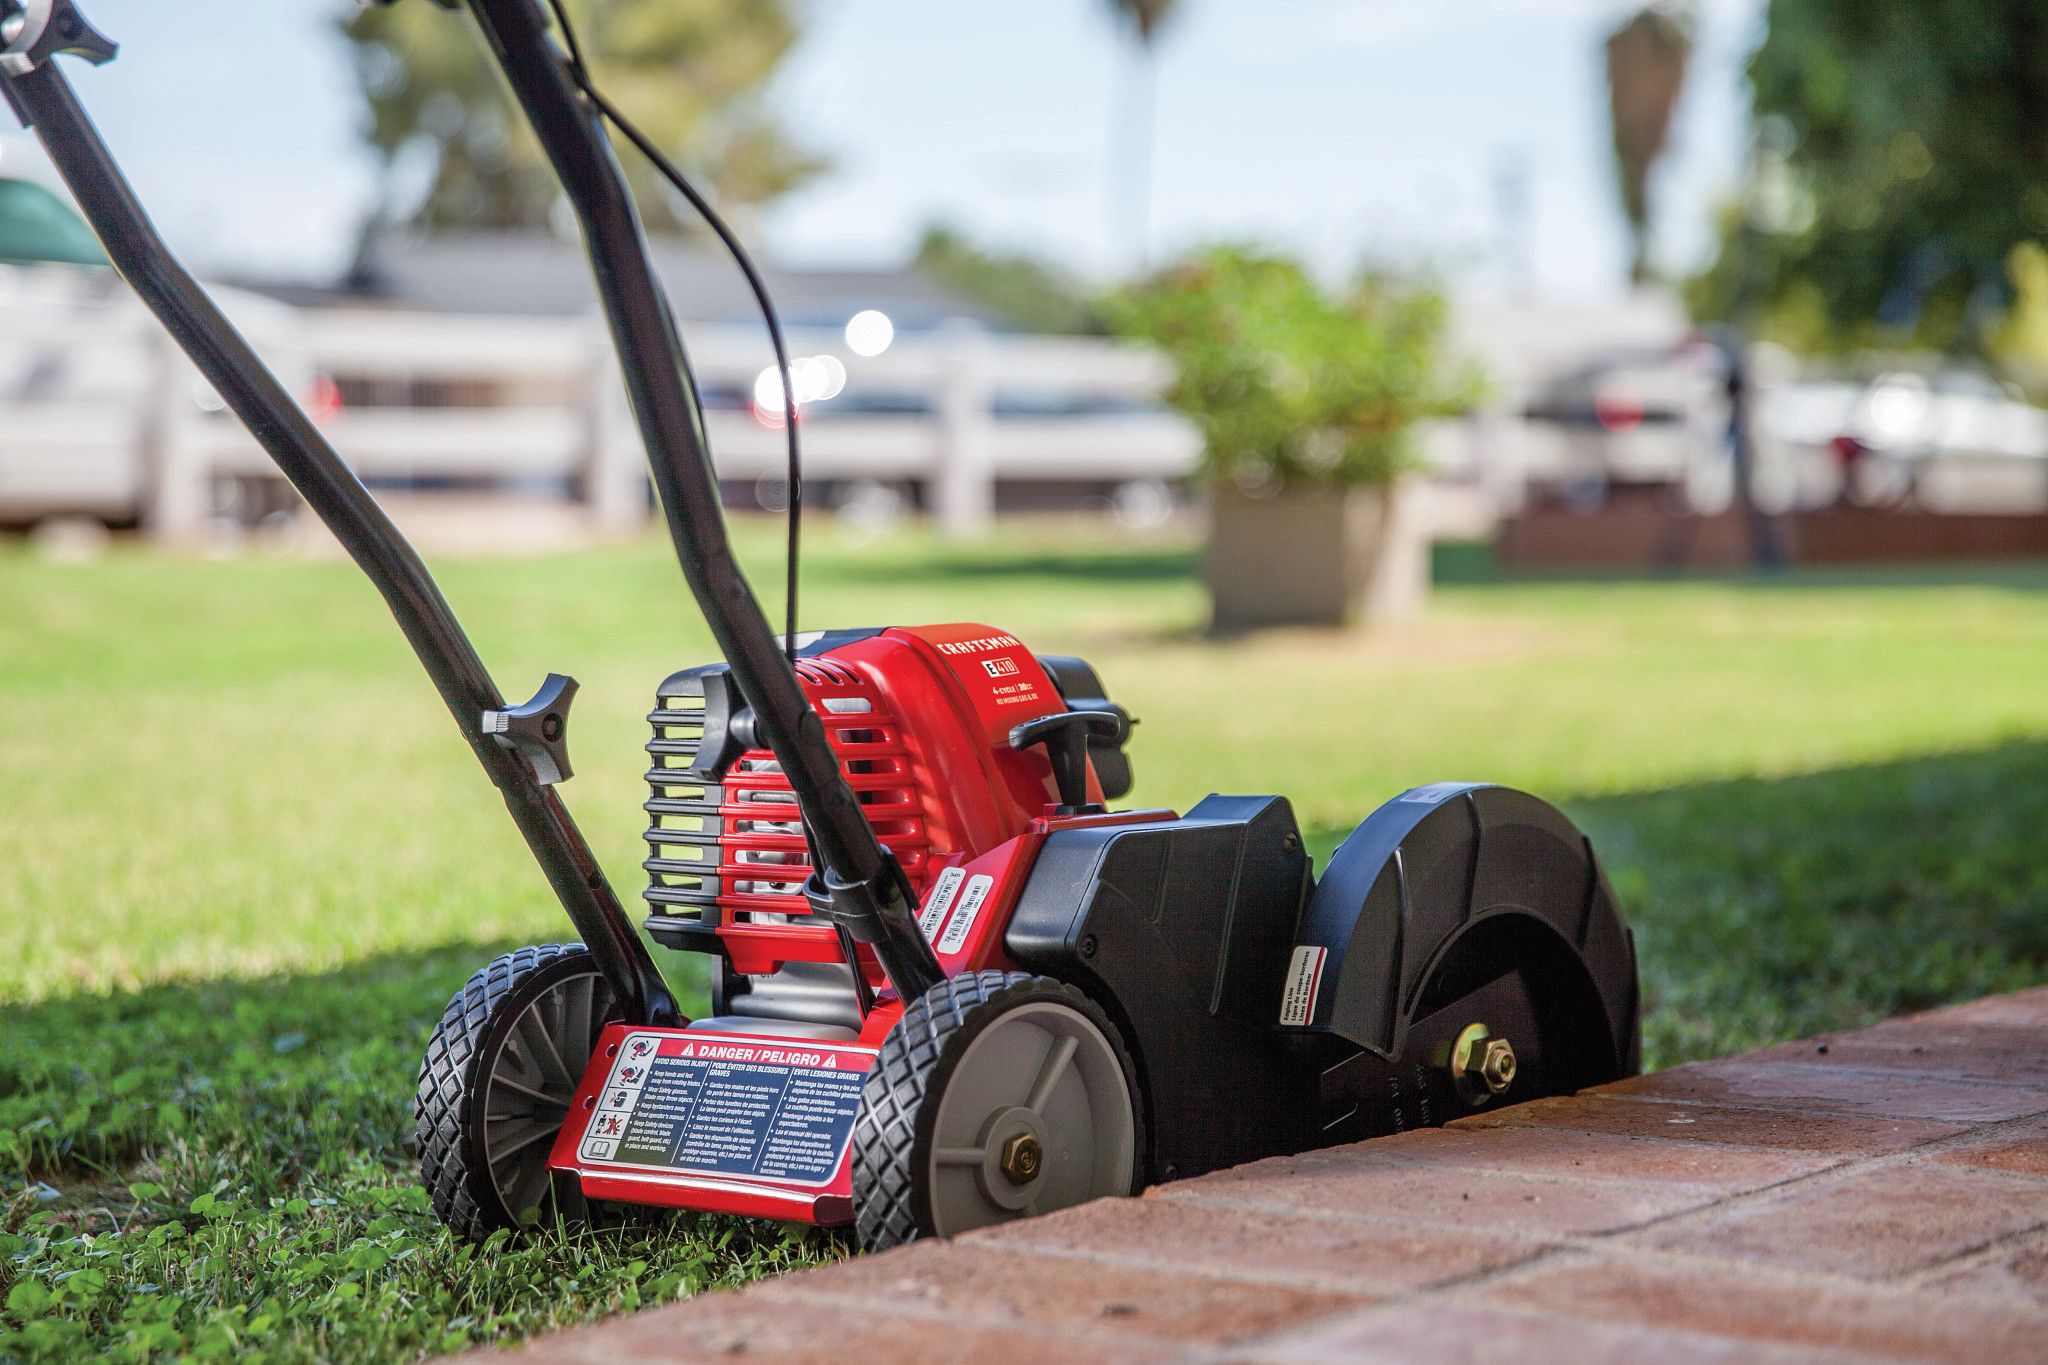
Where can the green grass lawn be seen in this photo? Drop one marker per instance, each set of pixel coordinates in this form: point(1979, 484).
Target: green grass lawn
point(246, 859)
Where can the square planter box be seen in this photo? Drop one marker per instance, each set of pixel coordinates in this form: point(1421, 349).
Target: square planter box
point(1314, 557)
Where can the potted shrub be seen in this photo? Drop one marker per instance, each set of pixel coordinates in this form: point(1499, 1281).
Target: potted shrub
point(1307, 401)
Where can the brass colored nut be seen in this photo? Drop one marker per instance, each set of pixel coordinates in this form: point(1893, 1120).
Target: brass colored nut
point(1497, 1067)
point(1022, 1159)
point(1481, 1065)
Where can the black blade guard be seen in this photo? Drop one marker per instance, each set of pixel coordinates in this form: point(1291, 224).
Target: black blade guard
point(1453, 905)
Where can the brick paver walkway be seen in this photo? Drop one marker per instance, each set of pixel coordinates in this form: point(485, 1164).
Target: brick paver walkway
point(1880, 1195)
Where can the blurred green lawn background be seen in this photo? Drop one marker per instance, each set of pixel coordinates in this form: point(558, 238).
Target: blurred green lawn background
point(246, 859)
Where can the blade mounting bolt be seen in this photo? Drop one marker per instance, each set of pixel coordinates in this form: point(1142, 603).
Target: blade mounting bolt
point(1481, 1064)
point(1497, 1068)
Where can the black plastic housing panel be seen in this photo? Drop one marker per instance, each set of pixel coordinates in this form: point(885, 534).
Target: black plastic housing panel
point(1181, 930)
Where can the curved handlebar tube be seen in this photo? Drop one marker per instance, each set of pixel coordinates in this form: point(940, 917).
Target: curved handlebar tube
point(46, 101)
point(860, 885)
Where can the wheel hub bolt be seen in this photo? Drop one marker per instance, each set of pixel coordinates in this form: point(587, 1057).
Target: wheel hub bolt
point(1023, 1156)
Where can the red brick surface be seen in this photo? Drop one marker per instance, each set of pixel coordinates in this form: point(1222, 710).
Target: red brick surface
point(1754, 1083)
point(1458, 1332)
point(1875, 1224)
point(1876, 1195)
point(1835, 1135)
point(765, 1323)
point(1978, 1053)
point(2021, 1009)
point(1211, 1239)
point(1807, 1312)
point(2019, 1147)
point(1354, 1183)
point(984, 1282)
point(1662, 1161)
point(2016, 1271)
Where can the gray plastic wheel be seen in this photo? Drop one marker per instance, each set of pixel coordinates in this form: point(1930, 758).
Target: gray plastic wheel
point(997, 1096)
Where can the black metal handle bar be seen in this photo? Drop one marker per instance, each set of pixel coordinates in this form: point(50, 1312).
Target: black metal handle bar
point(859, 885)
point(43, 96)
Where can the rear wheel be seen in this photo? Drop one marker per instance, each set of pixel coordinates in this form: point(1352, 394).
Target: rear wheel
point(997, 1096)
point(499, 1074)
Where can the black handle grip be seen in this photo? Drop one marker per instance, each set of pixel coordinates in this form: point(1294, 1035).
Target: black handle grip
point(1065, 736)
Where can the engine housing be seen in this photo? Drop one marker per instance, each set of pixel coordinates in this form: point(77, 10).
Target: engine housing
point(919, 718)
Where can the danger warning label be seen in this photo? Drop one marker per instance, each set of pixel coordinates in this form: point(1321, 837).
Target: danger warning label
point(731, 1108)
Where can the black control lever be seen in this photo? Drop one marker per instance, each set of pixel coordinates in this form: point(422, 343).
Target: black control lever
point(1065, 737)
point(538, 730)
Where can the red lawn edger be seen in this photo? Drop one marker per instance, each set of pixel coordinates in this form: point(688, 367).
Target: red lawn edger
point(952, 987)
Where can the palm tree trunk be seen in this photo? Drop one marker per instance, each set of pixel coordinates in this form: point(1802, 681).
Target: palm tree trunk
point(1132, 136)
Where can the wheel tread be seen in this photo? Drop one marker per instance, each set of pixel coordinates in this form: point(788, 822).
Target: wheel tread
point(448, 1076)
point(885, 1133)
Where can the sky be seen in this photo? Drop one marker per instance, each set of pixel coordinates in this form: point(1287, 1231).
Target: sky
point(1342, 130)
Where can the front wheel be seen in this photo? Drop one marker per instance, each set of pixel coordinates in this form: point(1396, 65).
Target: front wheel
point(997, 1096)
point(500, 1072)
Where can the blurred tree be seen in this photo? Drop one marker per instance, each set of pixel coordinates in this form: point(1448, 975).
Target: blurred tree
point(1131, 187)
point(688, 74)
point(1034, 295)
point(1915, 141)
point(1646, 61)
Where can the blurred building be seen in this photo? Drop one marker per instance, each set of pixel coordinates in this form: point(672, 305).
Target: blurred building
point(475, 364)
point(540, 274)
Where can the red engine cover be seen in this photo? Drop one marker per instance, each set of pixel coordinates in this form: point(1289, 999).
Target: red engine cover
point(920, 718)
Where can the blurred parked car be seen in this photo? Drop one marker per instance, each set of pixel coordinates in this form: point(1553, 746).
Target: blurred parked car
point(1949, 440)
point(83, 369)
point(1954, 440)
point(1630, 418)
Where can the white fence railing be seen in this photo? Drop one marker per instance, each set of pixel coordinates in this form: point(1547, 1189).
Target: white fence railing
point(96, 411)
